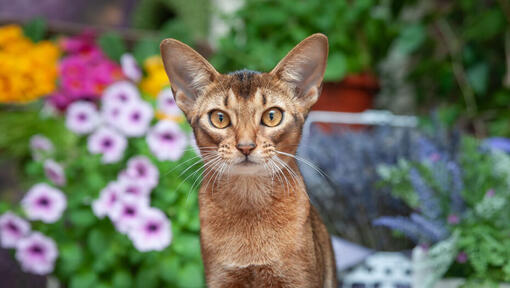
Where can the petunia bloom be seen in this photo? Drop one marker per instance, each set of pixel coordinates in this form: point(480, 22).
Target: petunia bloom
point(129, 186)
point(130, 67)
point(12, 229)
point(82, 117)
point(54, 172)
point(125, 212)
point(37, 254)
point(120, 93)
point(167, 141)
point(166, 103)
point(107, 198)
point(45, 203)
point(141, 168)
point(151, 231)
point(135, 119)
point(109, 143)
point(41, 147)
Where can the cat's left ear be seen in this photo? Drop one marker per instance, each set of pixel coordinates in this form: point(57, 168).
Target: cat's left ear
point(303, 68)
point(189, 73)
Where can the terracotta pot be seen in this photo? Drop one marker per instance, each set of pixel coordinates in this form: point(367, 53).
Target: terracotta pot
point(355, 93)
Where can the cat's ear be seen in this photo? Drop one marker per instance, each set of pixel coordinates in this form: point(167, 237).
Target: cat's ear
point(189, 73)
point(303, 68)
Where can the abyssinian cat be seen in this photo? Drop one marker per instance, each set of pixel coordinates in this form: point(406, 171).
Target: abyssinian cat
point(258, 228)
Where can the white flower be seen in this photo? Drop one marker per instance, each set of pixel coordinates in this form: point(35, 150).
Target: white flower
point(167, 141)
point(82, 117)
point(45, 203)
point(37, 254)
point(151, 231)
point(109, 143)
point(12, 229)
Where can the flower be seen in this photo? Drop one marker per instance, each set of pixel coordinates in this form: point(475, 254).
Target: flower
point(122, 92)
point(142, 169)
point(166, 103)
point(156, 76)
point(193, 144)
point(151, 231)
point(37, 253)
point(130, 68)
point(125, 212)
point(41, 147)
point(166, 141)
point(498, 143)
point(54, 172)
point(45, 203)
point(12, 229)
point(490, 193)
point(462, 257)
point(107, 142)
point(134, 187)
point(82, 117)
point(107, 198)
point(135, 119)
point(453, 219)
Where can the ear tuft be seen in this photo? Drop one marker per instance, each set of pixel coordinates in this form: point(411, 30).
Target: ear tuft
point(189, 73)
point(303, 68)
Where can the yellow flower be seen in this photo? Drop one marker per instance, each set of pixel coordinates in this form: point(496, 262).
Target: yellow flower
point(156, 78)
point(28, 70)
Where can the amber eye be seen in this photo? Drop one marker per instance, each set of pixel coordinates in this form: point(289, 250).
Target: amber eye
point(219, 119)
point(272, 117)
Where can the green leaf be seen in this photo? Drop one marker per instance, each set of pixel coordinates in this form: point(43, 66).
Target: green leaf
point(147, 278)
point(187, 245)
point(337, 67)
point(35, 29)
point(82, 217)
point(122, 279)
point(478, 76)
point(191, 275)
point(71, 256)
point(410, 38)
point(113, 45)
point(145, 49)
point(83, 280)
point(97, 241)
point(169, 269)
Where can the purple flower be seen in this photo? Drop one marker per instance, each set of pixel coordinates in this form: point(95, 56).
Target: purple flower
point(135, 119)
point(82, 117)
point(462, 257)
point(499, 143)
point(54, 172)
point(166, 103)
point(151, 231)
point(126, 211)
point(37, 254)
point(111, 113)
point(41, 147)
point(141, 168)
point(120, 93)
point(166, 141)
point(109, 143)
point(490, 193)
point(12, 229)
point(130, 67)
point(134, 187)
point(453, 219)
point(45, 203)
point(107, 198)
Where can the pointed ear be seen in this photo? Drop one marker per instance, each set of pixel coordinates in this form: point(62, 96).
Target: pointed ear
point(189, 73)
point(303, 68)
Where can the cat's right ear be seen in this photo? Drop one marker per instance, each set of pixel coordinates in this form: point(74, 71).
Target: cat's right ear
point(189, 73)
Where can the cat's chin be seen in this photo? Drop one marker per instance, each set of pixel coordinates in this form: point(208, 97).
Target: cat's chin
point(248, 168)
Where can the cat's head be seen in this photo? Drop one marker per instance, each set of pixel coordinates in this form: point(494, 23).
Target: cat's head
point(247, 120)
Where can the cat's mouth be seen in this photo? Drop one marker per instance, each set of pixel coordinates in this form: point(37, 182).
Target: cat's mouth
point(246, 162)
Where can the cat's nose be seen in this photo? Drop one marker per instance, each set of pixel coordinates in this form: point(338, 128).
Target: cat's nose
point(246, 148)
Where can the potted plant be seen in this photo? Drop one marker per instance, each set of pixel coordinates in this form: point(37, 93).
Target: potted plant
point(359, 33)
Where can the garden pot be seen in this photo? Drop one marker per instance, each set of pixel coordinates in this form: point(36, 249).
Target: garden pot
point(354, 94)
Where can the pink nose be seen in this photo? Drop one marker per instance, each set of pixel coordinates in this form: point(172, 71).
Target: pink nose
point(246, 148)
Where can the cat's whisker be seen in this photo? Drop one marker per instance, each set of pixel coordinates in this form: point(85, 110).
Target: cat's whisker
point(317, 169)
point(216, 171)
point(198, 170)
point(199, 161)
point(180, 164)
point(206, 166)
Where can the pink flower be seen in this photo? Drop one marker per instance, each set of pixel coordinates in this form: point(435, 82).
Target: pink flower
point(135, 119)
point(166, 103)
point(109, 143)
point(120, 93)
point(151, 231)
point(453, 219)
point(130, 68)
point(54, 172)
point(107, 198)
point(45, 203)
point(166, 141)
point(125, 212)
point(12, 229)
point(434, 157)
point(82, 117)
point(490, 193)
point(37, 254)
point(41, 147)
point(134, 187)
point(141, 168)
point(462, 257)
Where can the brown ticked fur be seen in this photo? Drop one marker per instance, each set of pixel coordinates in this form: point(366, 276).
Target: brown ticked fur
point(258, 228)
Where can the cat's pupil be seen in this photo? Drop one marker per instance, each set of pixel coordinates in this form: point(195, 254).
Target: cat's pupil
point(271, 115)
point(220, 117)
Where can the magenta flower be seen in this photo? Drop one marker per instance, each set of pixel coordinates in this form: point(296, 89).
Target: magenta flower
point(490, 193)
point(135, 119)
point(130, 67)
point(453, 219)
point(45, 203)
point(107, 198)
point(37, 254)
point(151, 231)
point(12, 229)
point(141, 168)
point(135, 187)
point(120, 93)
point(54, 172)
point(462, 257)
point(166, 141)
point(109, 143)
point(126, 211)
point(166, 103)
point(41, 147)
point(82, 117)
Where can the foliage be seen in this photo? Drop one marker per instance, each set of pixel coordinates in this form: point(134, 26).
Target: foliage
point(263, 32)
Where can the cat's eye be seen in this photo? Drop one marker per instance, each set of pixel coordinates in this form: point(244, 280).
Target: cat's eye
point(272, 117)
point(219, 119)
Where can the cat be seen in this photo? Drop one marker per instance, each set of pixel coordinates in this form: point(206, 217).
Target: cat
point(257, 225)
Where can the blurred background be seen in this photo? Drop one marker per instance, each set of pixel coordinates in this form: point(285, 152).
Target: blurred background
point(405, 154)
